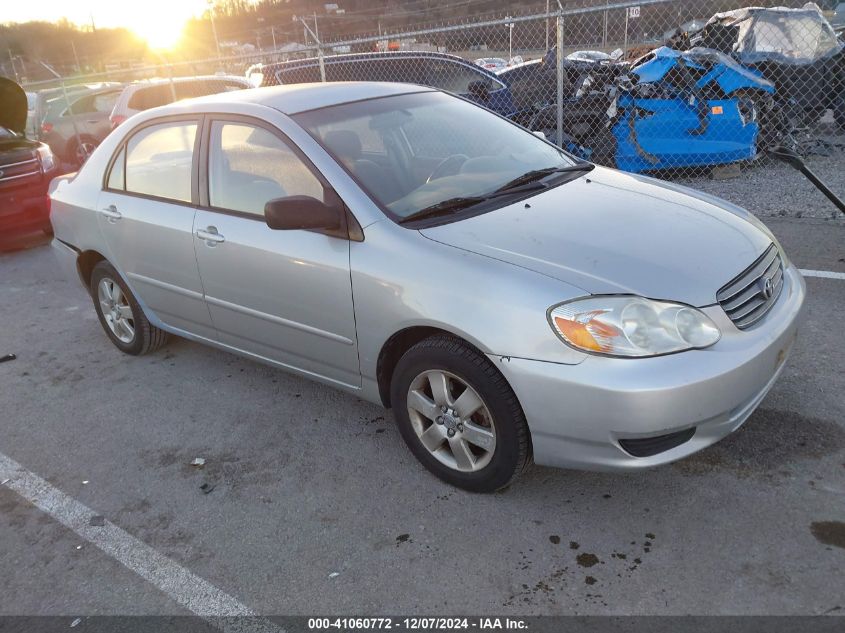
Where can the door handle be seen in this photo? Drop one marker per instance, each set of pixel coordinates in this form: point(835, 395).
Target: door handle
point(111, 213)
point(210, 235)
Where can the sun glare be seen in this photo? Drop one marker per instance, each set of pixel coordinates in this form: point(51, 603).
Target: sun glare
point(160, 33)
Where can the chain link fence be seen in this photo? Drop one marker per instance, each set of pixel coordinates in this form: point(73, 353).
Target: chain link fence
point(673, 88)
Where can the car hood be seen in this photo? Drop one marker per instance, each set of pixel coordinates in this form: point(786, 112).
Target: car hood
point(612, 232)
point(12, 106)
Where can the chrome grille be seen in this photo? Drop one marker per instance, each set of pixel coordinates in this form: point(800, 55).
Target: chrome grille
point(17, 173)
point(746, 299)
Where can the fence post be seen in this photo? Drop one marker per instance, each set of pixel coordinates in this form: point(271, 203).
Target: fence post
point(559, 63)
point(170, 81)
point(322, 62)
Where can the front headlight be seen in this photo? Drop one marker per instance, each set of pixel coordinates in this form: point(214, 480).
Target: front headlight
point(45, 154)
point(632, 326)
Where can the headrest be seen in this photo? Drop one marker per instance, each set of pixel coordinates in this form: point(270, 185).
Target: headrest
point(344, 143)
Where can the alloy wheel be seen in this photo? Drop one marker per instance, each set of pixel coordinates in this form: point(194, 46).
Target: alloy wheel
point(451, 421)
point(116, 310)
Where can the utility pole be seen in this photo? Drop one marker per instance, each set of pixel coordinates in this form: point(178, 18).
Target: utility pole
point(14, 70)
point(213, 26)
point(510, 26)
point(547, 25)
point(307, 29)
point(604, 39)
point(76, 57)
point(273, 33)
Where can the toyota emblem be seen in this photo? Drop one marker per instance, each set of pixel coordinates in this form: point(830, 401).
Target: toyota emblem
point(767, 288)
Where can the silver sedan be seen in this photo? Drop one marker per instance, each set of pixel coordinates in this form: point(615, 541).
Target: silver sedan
point(509, 302)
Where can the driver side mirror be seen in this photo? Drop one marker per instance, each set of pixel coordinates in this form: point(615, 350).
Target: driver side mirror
point(479, 90)
point(303, 213)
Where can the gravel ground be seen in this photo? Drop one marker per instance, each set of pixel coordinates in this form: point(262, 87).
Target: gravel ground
point(770, 188)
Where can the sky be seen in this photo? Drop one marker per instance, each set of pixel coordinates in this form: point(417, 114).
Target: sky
point(159, 21)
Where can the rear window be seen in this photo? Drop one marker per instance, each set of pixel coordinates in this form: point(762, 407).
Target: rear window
point(299, 75)
point(151, 97)
point(455, 77)
point(162, 94)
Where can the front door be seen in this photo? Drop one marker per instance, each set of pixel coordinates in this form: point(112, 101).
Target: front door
point(146, 215)
point(281, 295)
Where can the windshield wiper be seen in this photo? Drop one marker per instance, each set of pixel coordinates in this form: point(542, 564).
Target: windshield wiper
point(444, 208)
point(526, 182)
point(539, 174)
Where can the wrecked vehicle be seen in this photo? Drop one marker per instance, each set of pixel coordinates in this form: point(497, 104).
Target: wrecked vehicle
point(690, 109)
point(670, 110)
point(796, 49)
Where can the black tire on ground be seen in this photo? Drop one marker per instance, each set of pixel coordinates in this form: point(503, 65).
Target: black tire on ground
point(512, 454)
point(147, 337)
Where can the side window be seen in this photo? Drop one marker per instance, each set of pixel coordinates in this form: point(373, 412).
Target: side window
point(159, 158)
point(300, 75)
point(249, 166)
point(151, 97)
point(105, 102)
point(117, 177)
point(456, 77)
point(84, 105)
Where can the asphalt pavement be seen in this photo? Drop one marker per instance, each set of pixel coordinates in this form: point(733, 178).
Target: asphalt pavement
point(317, 507)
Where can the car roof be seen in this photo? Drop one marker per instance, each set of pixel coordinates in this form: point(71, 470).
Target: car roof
point(365, 57)
point(158, 81)
point(295, 98)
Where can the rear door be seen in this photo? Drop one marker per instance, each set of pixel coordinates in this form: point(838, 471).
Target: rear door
point(281, 295)
point(146, 214)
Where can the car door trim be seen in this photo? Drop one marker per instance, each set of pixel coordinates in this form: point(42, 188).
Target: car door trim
point(279, 320)
point(165, 286)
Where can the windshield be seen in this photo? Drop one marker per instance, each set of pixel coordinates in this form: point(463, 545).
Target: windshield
point(416, 151)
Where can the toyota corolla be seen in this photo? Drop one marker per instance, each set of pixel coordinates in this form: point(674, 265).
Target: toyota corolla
point(509, 302)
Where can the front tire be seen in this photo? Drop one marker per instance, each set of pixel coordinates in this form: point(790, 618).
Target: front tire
point(458, 415)
point(120, 314)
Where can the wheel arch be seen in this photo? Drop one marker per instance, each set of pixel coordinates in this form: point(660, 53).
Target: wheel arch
point(85, 263)
point(399, 343)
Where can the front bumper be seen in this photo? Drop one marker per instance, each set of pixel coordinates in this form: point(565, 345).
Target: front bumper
point(578, 414)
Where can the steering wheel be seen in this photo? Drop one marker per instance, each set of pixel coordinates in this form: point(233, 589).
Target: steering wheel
point(449, 166)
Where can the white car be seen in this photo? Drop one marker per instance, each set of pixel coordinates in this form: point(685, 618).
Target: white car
point(589, 56)
point(158, 92)
point(492, 63)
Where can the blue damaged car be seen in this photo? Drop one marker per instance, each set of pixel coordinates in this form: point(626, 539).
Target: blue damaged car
point(688, 109)
point(667, 110)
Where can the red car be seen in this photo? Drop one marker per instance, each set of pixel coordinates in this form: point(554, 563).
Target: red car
point(26, 167)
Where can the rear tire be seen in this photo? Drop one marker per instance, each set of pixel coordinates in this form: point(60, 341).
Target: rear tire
point(120, 314)
point(80, 150)
point(480, 442)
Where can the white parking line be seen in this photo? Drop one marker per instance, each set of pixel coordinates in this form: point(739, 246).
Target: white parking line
point(189, 590)
point(826, 274)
